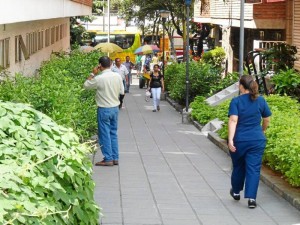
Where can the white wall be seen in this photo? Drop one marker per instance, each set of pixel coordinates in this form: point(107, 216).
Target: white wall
point(226, 31)
point(30, 66)
point(13, 11)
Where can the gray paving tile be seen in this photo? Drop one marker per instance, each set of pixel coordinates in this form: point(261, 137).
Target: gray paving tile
point(216, 220)
point(170, 174)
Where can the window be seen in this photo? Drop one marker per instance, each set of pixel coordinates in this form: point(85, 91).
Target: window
point(61, 31)
point(4, 53)
point(52, 35)
point(57, 33)
point(29, 43)
point(18, 50)
point(40, 40)
point(261, 35)
point(35, 41)
point(47, 37)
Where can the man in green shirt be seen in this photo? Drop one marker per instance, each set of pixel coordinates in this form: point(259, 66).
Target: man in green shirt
point(108, 86)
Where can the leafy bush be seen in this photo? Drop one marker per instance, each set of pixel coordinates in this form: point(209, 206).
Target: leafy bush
point(201, 110)
point(214, 57)
point(45, 172)
point(283, 146)
point(204, 80)
point(287, 82)
point(58, 91)
point(280, 57)
point(203, 113)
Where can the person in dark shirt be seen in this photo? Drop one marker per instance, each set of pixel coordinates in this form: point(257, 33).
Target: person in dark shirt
point(157, 86)
point(246, 139)
point(129, 65)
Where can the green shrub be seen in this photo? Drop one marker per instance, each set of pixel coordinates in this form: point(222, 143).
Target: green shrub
point(283, 147)
point(45, 171)
point(58, 91)
point(287, 82)
point(214, 57)
point(280, 57)
point(204, 80)
point(201, 111)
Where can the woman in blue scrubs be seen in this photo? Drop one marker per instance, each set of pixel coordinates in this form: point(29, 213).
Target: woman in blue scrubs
point(246, 138)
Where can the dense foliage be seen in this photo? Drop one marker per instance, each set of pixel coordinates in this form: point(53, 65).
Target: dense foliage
point(283, 146)
point(203, 112)
point(204, 80)
point(280, 57)
point(58, 91)
point(45, 171)
point(287, 82)
point(214, 57)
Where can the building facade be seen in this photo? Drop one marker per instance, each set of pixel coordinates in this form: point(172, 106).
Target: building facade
point(266, 22)
point(33, 29)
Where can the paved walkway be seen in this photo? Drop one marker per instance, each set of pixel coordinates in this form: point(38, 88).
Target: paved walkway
point(171, 174)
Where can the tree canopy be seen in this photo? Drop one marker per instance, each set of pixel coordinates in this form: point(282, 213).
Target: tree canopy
point(139, 10)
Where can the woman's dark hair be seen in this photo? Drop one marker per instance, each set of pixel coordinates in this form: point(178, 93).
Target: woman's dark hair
point(156, 65)
point(104, 61)
point(249, 84)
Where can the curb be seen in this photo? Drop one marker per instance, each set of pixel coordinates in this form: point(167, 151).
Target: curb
point(272, 179)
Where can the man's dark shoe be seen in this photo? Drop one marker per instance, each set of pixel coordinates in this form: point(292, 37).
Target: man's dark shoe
point(154, 110)
point(116, 162)
point(158, 108)
point(105, 163)
point(236, 197)
point(251, 203)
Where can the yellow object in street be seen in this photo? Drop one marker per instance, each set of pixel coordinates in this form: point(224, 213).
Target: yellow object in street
point(146, 75)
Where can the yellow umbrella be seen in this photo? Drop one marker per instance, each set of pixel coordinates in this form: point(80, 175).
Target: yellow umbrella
point(108, 47)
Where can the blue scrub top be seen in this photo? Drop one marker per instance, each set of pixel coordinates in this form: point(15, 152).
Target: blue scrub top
point(250, 113)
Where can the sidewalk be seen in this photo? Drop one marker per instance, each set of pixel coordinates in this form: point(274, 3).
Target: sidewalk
point(171, 174)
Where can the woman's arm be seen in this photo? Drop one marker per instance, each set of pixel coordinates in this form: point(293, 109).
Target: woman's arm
point(150, 80)
point(162, 84)
point(265, 123)
point(232, 122)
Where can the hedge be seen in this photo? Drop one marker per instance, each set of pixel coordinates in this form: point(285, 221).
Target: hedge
point(45, 171)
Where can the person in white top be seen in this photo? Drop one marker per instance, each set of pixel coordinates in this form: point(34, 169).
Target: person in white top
point(109, 86)
point(122, 70)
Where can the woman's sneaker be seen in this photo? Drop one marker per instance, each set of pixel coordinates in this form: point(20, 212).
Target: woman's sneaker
point(235, 196)
point(251, 203)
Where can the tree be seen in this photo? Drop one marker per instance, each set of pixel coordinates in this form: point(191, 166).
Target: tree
point(200, 31)
point(140, 10)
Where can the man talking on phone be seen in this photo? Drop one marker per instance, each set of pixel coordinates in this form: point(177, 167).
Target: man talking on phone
point(109, 86)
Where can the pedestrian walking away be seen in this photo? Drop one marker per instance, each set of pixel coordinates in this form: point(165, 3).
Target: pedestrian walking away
point(156, 86)
point(122, 70)
point(138, 65)
point(109, 86)
point(129, 65)
point(246, 139)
